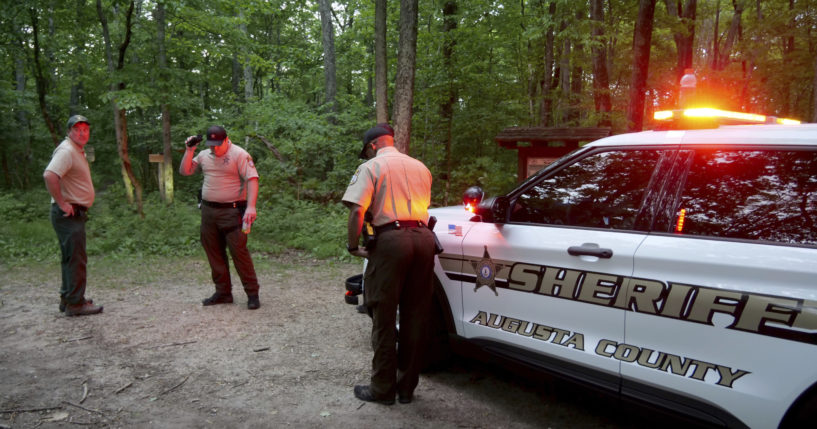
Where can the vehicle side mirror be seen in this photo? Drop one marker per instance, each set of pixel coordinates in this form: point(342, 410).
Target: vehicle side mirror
point(494, 210)
point(499, 209)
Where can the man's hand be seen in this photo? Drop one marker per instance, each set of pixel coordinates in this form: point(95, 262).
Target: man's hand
point(192, 141)
point(249, 215)
point(67, 208)
point(363, 253)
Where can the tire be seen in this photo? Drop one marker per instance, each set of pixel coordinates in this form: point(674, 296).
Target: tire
point(803, 414)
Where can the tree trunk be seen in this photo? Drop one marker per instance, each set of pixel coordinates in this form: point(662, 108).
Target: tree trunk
point(447, 108)
point(381, 84)
point(601, 79)
point(642, 38)
point(576, 76)
point(722, 54)
point(42, 84)
point(166, 179)
point(329, 72)
point(684, 40)
point(77, 72)
point(236, 76)
point(248, 79)
point(814, 93)
point(404, 81)
point(120, 118)
point(564, 81)
point(23, 124)
point(547, 80)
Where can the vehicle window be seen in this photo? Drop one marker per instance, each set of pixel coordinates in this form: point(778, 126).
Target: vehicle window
point(751, 194)
point(602, 190)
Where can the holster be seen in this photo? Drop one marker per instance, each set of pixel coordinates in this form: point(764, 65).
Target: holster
point(369, 237)
point(438, 247)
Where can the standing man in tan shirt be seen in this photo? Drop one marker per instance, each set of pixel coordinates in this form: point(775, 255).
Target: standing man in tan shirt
point(396, 189)
point(229, 194)
point(68, 180)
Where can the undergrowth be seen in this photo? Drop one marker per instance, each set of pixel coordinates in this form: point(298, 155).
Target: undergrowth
point(116, 230)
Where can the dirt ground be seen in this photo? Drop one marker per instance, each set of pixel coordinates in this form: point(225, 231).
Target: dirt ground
point(157, 358)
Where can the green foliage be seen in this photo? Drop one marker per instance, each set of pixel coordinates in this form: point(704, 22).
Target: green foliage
point(492, 79)
point(316, 228)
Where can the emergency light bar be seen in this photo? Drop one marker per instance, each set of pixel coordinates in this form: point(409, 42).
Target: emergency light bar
point(720, 116)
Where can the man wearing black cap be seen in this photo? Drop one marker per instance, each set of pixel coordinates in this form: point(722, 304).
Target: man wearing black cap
point(68, 180)
point(229, 194)
point(396, 189)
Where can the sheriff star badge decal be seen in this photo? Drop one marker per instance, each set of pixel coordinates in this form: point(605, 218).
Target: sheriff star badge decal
point(486, 272)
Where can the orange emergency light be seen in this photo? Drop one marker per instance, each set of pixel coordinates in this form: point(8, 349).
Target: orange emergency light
point(720, 117)
point(689, 117)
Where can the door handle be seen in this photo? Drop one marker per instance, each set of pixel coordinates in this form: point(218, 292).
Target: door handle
point(590, 251)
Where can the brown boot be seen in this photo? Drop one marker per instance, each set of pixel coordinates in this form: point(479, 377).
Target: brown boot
point(83, 309)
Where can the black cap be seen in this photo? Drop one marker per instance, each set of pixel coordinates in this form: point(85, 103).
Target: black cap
point(215, 136)
point(378, 130)
point(73, 120)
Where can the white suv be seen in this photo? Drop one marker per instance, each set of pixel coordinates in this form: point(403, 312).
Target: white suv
point(674, 267)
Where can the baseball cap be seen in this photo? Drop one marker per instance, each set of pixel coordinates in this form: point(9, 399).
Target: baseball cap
point(73, 120)
point(378, 130)
point(215, 136)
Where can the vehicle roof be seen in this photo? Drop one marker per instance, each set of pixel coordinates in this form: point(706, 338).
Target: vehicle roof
point(802, 134)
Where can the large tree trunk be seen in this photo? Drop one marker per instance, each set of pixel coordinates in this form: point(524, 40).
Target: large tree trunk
point(329, 72)
point(447, 108)
point(685, 39)
point(166, 179)
point(642, 38)
point(404, 81)
point(120, 119)
point(42, 84)
point(601, 79)
point(381, 84)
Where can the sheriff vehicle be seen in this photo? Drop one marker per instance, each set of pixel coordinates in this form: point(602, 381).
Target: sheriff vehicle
point(676, 267)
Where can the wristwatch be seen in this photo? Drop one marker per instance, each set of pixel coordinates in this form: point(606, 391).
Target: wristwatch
point(350, 248)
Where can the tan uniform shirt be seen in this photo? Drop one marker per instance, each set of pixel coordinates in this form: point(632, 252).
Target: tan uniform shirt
point(68, 161)
point(392, 186)
point(225, 177)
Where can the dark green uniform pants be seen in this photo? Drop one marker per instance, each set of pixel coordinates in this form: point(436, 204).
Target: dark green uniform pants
point(399, 274)
point(71, 235)
point(221, 230)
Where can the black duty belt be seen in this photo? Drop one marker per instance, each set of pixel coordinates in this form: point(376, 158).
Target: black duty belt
point(232, 205)
point(75, 206)
point(399, 224)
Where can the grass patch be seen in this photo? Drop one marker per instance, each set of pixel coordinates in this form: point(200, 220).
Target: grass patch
point(118, 234)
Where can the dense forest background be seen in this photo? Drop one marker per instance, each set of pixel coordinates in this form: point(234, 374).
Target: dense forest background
point(294, 83)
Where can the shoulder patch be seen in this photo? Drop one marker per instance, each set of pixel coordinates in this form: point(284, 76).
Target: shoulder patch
point(354, 176)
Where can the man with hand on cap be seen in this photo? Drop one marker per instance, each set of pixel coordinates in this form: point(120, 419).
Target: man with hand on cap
point(229, 194)
point(68, 180)
point(396, 189)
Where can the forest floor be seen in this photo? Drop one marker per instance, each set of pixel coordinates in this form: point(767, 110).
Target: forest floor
point(156, 358)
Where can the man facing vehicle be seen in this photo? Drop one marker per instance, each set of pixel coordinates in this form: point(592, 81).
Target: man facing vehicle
point(396, 189)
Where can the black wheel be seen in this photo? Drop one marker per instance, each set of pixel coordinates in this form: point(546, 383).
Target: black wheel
point(803, 414)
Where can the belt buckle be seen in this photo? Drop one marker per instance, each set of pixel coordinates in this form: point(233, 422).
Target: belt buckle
point(397, 224)
point(235, 204)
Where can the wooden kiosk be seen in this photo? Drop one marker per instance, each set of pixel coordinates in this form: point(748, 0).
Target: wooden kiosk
point(539, 146)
